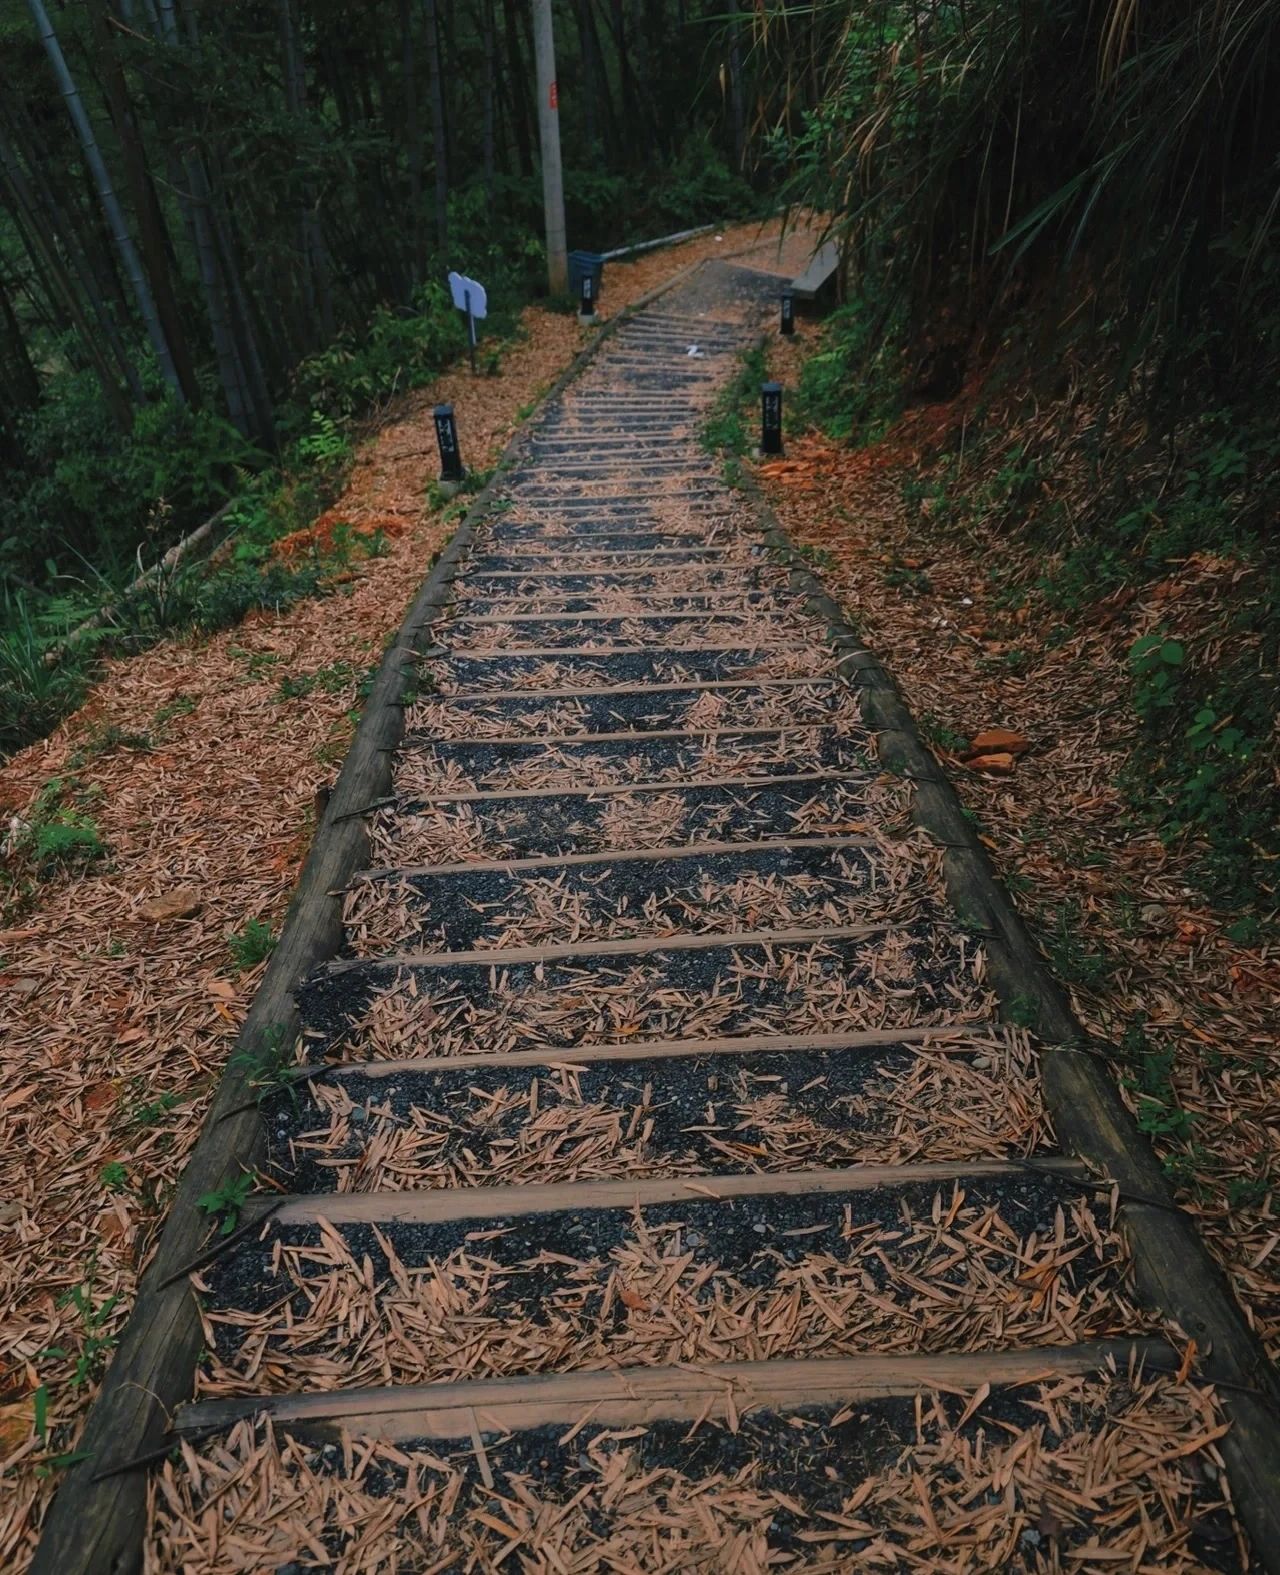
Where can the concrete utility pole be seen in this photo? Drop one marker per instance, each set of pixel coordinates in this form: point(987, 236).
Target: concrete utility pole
point(544, 49)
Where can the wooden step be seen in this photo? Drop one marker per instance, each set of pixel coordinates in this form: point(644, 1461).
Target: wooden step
point(634, 1396)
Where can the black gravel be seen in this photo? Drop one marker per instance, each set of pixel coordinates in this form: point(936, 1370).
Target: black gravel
point(489, 765)
point(461, 911)
point(834, 1089)
point(742, 1237)
point(817, 1465)
point(464, 672)
point(626, 556)
point(331, 1000)
point(526, 827)
point(807, 704)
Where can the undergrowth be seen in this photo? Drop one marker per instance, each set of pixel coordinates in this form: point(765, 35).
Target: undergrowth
point(1150, 519)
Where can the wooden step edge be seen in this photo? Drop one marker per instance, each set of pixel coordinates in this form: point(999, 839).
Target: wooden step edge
point(554, 861)
point(725, 603)
point(721, 559)
point(441, 1205)
point(631, 571)
point(631, 946)
point(691, 734)
point(632, 1396)
point(612, 617)
point(952, 1038)
point(614, 530)
point(581, 459)
point(610, 789)
point(579, 692)
point(585, 653)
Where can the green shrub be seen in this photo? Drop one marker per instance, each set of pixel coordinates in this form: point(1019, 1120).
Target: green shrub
point(251, 944)
point(398, 351)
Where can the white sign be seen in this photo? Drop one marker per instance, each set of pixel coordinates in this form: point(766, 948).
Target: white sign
point(462, 287)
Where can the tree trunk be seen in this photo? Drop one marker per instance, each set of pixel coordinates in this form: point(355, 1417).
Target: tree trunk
point(737, 111)
point(129, 258)
point(153, 234)
point(231, 370)
point(315, 261)
point(589, 75)
point(412, 137)
point(59, 288)
point(490, 97)
point(439, 150)
point(518, 90)
point(241, 326)
point(613, 134)
point(79, 240)
point(22, 385)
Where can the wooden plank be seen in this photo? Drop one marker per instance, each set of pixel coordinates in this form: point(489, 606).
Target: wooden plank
point(554, 861)
point(487, 795)
point(719, 602)
point(631, 946)
point(725, 552)
point(646, 689)
point(446, 1205)
point(593, 617)
point(585, 653)
point(637, 1395)
point(943, 1035)
point(532, 740)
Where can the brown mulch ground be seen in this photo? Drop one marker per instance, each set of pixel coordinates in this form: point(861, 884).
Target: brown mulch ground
point(1113, 907)
point(114, 1025)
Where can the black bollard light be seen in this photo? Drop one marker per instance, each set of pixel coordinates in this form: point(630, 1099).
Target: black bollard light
point(788, 323)
point(771, 418)
point(451, 471)
point(587, 298)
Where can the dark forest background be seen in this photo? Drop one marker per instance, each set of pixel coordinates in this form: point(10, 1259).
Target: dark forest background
point(224, 226)
point(224, 229)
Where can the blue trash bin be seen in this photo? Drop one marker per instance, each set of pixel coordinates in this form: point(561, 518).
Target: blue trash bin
point(582, 264)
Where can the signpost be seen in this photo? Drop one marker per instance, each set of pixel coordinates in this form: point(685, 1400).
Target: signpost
point(469, 297)
point(788, 324)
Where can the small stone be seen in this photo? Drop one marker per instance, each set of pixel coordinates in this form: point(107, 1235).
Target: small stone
point(1153, 914)
point(1031, 1537)
point(759, 1227)
point(981, 1062)
point(693, 1238)
point(996, 765)
point(999, 740)
point(184, 902)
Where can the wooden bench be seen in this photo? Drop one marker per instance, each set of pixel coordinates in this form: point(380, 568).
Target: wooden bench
point(818, 282)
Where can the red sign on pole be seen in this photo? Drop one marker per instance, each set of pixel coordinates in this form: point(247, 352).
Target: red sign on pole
point(554, 95)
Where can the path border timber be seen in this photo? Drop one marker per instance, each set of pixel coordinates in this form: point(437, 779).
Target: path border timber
point(97, 1521)
point(1174, 1273)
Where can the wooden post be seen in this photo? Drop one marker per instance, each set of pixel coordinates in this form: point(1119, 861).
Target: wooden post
point(544, 49)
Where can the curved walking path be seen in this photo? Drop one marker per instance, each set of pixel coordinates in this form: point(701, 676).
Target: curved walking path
point(671, 1194)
